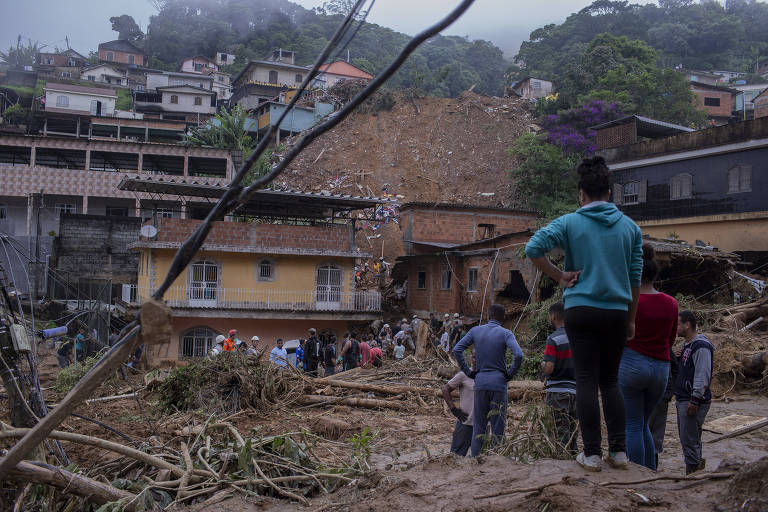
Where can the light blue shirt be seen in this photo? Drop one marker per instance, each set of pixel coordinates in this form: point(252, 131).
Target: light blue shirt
point(279, 356)
point(491, 342)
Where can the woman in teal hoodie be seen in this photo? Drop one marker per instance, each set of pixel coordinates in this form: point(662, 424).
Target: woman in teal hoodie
point(603, 265)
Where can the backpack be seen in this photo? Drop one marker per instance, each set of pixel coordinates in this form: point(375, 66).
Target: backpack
point(354, 350)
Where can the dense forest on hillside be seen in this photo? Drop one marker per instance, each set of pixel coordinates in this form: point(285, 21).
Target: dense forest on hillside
point(706, 35)
point(444, 66)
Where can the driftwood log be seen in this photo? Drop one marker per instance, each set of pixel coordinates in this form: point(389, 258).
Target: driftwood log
point(368, 403)
point(754, 365)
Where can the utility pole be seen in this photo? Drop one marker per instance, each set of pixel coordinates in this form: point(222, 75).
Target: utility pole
point(37, 200)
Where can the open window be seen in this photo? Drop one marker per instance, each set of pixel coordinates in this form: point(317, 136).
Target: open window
point(445, 278)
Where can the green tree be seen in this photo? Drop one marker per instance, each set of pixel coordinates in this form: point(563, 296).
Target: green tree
point(21, 54)
point(15, 114)
point(126, 27)
point(343, 7)
point(544, 175)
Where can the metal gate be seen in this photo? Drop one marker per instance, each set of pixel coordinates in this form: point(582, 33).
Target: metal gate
point(328, 287)
point(203, 284)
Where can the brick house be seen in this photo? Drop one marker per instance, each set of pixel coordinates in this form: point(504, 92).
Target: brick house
point(718, 102)
point(66, 64)
point(122, 52)
point(462, 258)
point(274, 280)
point(632, 129)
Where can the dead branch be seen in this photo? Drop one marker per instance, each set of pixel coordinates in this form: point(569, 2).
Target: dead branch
point(740, 431)
point(95, 491)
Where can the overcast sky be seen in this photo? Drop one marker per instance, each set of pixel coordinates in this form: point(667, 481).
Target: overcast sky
point(86, 22)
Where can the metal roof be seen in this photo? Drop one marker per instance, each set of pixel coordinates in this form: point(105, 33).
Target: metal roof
point(457, 206)
point(646, 127)
point(277, 203)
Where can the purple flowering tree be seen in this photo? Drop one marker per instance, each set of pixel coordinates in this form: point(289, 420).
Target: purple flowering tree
point(570, 129)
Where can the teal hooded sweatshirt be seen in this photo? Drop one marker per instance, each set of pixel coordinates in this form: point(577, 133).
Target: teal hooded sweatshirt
point(605, 245)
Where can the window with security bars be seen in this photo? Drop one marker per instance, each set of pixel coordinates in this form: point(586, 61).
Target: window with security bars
point(266, 270)
point(740, 179)
point(445, 278)
point(681, 186)
point(204, 281)
point(328, 284)
point(421, 279)
point(64, 208)
point(164, 213)
point(472, 280)
point(197, 342)
point(632, 192)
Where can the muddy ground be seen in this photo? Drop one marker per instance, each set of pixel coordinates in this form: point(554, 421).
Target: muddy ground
point(411, 466)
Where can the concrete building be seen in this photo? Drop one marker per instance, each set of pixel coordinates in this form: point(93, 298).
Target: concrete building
point(122, 52)
point(105, 74)
point(222, 84)
point(157, 79)
point(532, 88)
point(66, 64)
point(77, 175)
point(187, 97)
point(77, 99)
point(279, 69)
point(198, 64)
point(707, 185)
point(224, 59)
point(461, 258)
point(298, 119)
point(271, 279)
point(745, 100)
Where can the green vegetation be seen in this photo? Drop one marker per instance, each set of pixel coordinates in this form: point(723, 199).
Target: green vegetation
point(545, 175)
point(446, 65)
point(16, 114)
point(123, 99)
point(68, 377)
point(704, 35)
point(23, 54)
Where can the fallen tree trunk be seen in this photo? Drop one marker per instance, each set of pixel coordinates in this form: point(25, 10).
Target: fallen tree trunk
point(517, 388)
point(97, 492)
point(754, 365)
point(101, 443)
point(368, 403)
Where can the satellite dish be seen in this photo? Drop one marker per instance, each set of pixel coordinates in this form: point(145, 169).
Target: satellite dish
point(148, 231)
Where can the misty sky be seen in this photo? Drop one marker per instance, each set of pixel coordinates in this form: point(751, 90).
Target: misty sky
point(86, 22)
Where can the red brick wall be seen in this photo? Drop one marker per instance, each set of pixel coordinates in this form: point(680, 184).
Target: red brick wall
point(761, 106)
point(726, 99)
point(458, 298)
point(616, 136)
point(122, 57)
point(460, 226)
point(335, 237)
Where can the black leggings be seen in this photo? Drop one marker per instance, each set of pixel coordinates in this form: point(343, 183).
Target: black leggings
point(597, 338)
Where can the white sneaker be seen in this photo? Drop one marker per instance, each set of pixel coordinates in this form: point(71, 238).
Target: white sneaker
point(590, 463)
point(617, 460)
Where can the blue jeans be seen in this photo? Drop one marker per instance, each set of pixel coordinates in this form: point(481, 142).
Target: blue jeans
point(642, 381)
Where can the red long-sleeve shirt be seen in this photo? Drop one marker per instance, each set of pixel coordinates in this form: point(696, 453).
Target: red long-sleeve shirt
point(655, 325)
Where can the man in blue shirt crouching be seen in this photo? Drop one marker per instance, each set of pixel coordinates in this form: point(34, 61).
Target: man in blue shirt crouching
point(491, 374)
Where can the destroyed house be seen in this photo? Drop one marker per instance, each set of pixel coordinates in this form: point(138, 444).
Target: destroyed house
point(286, 266)
point(461, 258)
point(707, 185)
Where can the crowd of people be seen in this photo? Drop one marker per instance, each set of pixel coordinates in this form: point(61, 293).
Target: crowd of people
point(613, 334)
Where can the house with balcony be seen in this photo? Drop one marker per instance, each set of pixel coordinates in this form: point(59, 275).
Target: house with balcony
point(288, 268)
point(263, 80)
point(187, 97)
point(105, 74)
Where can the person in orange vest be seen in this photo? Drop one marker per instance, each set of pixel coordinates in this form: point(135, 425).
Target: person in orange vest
point(231, 342)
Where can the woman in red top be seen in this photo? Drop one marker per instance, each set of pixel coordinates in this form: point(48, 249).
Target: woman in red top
point(644, 365)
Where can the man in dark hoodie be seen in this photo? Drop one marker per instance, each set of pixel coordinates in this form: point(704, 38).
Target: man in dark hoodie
point(692, 394)
point(312, 353)
point(603, 265)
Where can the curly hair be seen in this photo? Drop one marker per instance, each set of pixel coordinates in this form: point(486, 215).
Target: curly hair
point(594, 177)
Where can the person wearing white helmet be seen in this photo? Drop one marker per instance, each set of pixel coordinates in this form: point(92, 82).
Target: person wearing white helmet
point(219, 347)
point(253, 349)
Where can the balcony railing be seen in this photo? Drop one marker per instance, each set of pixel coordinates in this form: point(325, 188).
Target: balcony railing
point(322, 299)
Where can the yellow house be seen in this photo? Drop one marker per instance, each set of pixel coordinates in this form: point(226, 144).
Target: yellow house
point(273, 280)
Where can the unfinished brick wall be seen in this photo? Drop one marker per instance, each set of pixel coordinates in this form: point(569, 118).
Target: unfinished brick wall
point(726, 102)
point(615, 136)
point(326, 237)
point(761, 106)
point(459, 225)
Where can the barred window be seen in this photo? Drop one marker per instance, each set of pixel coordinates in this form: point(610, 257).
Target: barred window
point(266, 270)
point(472, 280)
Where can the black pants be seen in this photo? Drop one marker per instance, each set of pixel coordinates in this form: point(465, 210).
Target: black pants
point(461, 439)
point(597, 338)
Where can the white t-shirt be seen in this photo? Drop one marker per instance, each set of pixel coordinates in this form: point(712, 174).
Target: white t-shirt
point(444, 341)
point(466, 387)
point(399, 351)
